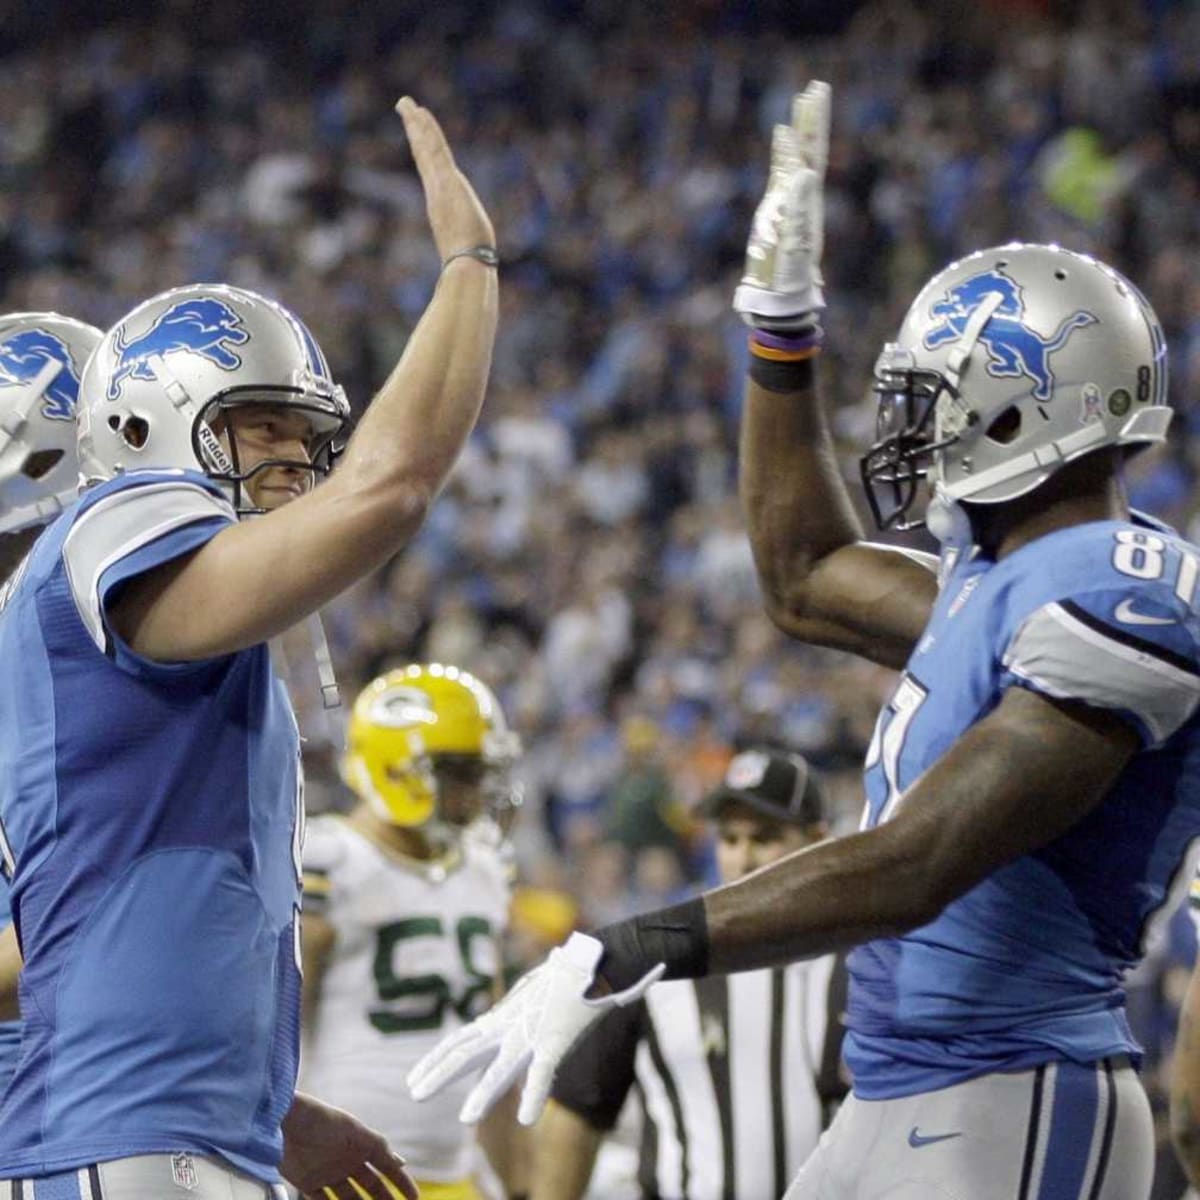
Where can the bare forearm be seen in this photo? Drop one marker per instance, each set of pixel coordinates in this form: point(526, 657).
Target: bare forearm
point(507, 1145)
point(968, 815)
point(797, 506)
point(565, 1149)
point(828, 898)
point(821, 583)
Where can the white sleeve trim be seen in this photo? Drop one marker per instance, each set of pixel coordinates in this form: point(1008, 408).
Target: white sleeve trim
point(1067, 659)
point(115, 527)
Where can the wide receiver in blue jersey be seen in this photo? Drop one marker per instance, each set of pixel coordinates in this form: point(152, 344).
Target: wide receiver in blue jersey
point(41, 358)
point(1034, 781)
point(150, 789)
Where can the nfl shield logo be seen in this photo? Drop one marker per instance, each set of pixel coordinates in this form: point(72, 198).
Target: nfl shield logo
point(183, 1171)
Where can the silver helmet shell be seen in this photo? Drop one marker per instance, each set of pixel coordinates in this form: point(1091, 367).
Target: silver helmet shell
point(166, 372)
point(42, 355)
point(1010, 364)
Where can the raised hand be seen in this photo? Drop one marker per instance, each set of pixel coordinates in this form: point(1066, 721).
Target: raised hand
point(456, 216)
point(781, 288)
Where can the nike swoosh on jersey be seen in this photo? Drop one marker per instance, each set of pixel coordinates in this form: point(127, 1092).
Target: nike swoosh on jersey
point(1126, 614)
point(917, 1140)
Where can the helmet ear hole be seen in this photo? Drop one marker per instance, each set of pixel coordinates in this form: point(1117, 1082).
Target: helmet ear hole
point(135, 432)
point(1006, 427)
point(40, 463)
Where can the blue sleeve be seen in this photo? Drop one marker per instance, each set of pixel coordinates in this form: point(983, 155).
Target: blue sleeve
point(129, 526)
point(159, 552)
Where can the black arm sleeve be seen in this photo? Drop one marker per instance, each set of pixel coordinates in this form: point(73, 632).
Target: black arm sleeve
point(594, 1079)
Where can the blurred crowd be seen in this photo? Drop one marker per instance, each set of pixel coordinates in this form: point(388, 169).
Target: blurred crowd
point(589, 559)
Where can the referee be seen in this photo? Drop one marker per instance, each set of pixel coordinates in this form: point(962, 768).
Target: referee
point(736, 1075)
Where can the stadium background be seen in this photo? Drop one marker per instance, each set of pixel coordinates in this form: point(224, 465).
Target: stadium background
point(588, 559)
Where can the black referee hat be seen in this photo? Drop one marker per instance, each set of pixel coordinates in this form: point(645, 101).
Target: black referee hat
point(777, 785)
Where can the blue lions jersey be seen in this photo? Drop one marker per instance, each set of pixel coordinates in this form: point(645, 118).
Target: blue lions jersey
point(10, 1031)
point(152, 817)
point(1027, 967)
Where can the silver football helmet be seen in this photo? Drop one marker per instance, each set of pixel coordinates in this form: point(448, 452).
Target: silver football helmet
point(41, 358)
point(154, 392)
point(1010, 364)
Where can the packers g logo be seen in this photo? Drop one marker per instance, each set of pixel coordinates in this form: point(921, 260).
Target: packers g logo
point(1014, 347)
point(401, 708)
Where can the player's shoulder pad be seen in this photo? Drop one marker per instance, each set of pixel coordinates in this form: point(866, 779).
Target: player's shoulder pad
point(156, 481)
point(140, 515)
point(1115, 625)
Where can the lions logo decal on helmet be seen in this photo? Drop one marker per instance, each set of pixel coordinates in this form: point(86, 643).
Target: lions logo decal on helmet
point(1014, 347)
point(25, 354)
point(204, 326)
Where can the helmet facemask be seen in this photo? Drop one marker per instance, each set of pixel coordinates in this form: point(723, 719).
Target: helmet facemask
point(329, 422)
point(898, 463)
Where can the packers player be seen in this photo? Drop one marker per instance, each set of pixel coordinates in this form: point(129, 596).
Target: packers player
point(405, 900)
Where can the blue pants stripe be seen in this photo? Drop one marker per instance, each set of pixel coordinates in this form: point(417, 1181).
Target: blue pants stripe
point(1074, 1107)
point(55, 1187)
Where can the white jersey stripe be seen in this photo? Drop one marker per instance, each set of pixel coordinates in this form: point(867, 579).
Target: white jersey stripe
point(669, 1168)
point(1101, 1131)
point(806, 1020)
point(749, 1078)
point(1057, 653)
point(6, 854)
point(676, 1019)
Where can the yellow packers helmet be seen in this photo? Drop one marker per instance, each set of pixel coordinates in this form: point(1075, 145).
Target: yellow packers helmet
point(458, 726)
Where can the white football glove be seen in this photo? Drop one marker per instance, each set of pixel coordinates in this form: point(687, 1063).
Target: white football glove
point(781, 288)
point(533, 1026)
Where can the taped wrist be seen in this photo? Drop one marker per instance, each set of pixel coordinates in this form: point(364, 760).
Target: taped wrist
point(784, 363)
point(677, 936)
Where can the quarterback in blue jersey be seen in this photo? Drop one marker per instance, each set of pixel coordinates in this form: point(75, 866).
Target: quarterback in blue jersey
point(41, 358)
point(150, 788)
point(1033, 783)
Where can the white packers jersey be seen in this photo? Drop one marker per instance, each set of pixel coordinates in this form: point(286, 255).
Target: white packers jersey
point(416, 954)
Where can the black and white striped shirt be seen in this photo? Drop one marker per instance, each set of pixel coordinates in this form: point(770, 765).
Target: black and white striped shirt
point(736, 1076)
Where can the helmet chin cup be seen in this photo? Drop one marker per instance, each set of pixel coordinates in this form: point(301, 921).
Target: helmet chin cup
point(948, 521)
